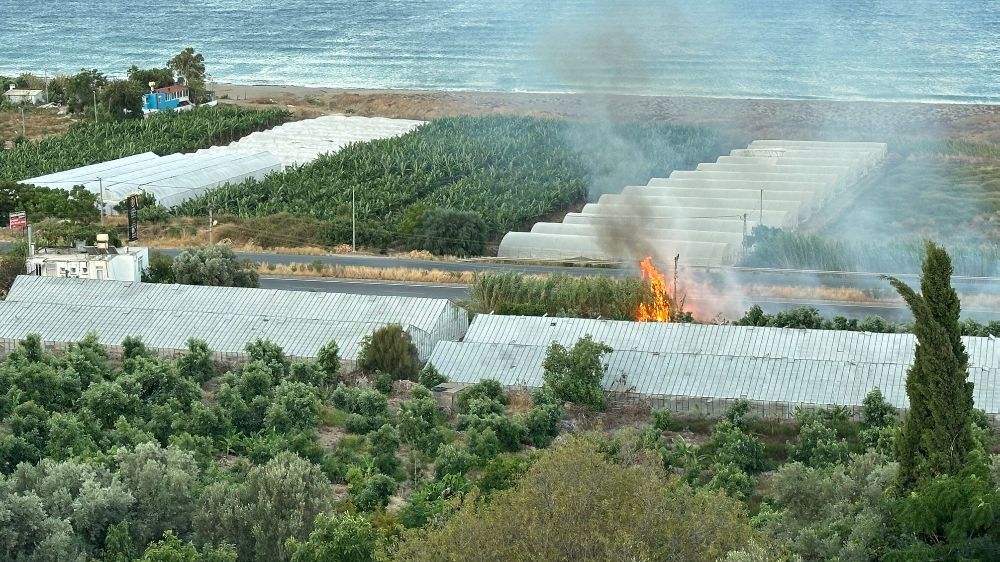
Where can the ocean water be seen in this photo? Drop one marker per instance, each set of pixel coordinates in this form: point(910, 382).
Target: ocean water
point(900, 50)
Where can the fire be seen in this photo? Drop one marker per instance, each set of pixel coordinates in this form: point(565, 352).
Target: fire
point(658, 309)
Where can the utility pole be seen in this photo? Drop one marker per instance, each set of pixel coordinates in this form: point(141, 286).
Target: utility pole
point(23, 134)
point(210, 223)
point(673, 312)
point(354, 224)
point(761, 207)
point(95, 106)
point(100, 182)
point(31, 247)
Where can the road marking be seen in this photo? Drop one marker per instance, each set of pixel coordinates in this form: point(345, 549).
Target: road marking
point(415, 284)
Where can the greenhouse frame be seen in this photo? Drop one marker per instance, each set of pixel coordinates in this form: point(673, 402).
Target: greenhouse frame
point(172, 179)
point(696, 368)
point(63, 310)
point(771, 182)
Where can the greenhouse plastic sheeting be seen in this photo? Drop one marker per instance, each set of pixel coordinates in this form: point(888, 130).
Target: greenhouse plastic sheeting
point(772, 183)
point(781, 365)
point(440, 318)
point(644, 233)
point(224, 333)
point(172, 179)
point(528, 245)
point(300, 142)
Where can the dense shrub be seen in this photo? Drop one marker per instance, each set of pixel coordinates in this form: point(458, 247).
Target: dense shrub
point(214, 265)
point(575, 375)
point(389, 350)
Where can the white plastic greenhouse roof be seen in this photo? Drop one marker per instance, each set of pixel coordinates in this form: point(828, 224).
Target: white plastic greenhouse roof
point(782, 365)
point(173, 179)
point(771, 182)
point(298, 310)
point(170, 329)
point(300, 142)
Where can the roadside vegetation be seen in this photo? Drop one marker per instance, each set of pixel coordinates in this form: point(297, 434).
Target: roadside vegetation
point(144, 458)
point(455, 183)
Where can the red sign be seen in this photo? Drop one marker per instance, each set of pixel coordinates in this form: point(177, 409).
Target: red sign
point(19, 220)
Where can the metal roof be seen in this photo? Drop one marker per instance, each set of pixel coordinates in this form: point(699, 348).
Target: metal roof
point(19, 92)
point(426, 314)
point(711, 339)
point(170, 329)
point(165, 316)
point(763, 364)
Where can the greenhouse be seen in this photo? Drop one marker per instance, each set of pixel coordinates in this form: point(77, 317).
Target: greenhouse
point(309, 316)
point(772, 183)
point(692, 367)
point(172, 179)
point(300, 142)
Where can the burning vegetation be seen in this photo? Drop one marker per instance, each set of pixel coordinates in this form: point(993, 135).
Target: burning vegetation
point(660, 304)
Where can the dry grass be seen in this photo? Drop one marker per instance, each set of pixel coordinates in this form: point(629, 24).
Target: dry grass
point(365, 272)
point(520, 402)
point(38, 123)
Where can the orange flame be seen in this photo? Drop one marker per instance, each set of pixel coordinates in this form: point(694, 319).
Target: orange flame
point(658, 309)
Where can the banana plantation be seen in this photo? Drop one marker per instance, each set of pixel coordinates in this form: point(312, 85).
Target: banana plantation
point(510, 170)
point(167, 133)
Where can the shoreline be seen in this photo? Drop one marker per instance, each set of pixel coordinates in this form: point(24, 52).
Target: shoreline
point(742, 117)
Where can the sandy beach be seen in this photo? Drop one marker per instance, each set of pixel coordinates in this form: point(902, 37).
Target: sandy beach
point(757, 118)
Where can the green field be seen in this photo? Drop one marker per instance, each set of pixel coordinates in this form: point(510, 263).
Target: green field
point(509, 170)
point(88, 143)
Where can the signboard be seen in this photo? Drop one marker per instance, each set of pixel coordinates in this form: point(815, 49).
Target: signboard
point(133, 217)
point(19, 220)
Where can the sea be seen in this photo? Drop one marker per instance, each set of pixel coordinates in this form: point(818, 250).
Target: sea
point(893, 50)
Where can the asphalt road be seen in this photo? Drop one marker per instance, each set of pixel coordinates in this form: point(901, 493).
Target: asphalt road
point(378, 288)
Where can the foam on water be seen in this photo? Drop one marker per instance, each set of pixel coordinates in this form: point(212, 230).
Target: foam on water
point(912, 50)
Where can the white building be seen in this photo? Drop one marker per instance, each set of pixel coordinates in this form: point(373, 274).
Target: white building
point(18, 96)
point(90, 262)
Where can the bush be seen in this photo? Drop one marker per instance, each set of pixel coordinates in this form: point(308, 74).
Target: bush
point(368, 409)
point(197, 362)
point(542, 424)
point(819, 446)
point(502, 472)
point(390, 350)
point(453, 459)
point(160, 270)
point(483, 444)
point(486, 389)
point(372, 492)
point(575, 375)
point(329, 360)
point(451, 232)
point(216, 266)
point(509, 431)
point(663, 419)
point(734, 447)
point(431, 377)
point(295, 407)
point(383, 382)
point(730, 479)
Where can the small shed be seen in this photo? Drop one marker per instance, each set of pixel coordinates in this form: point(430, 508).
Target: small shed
point(18, 96)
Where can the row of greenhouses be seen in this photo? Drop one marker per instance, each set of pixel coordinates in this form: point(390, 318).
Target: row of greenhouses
point(64, 310)
point(172, 179)
point(696, 367)
point(300, 142)
point(704, 214)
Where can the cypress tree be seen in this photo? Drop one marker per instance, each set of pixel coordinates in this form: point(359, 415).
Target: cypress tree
point(937, 432)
